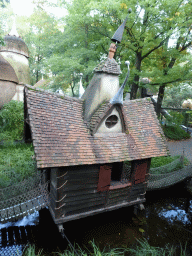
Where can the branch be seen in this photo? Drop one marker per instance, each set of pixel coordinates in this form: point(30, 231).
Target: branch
point(99, 32)
point(159, 35)
point(185, 46)
point(135, 19)
point(169, 82)
point(129, 30)
point(155, 48)
point(104, 49)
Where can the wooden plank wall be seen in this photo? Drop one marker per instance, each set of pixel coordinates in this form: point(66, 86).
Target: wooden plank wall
point(76, 191)
point(118, 196)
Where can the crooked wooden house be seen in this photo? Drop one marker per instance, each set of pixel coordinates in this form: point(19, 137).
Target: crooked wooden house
point(95, 151)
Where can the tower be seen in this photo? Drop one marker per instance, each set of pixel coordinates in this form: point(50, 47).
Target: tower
point(15, 53)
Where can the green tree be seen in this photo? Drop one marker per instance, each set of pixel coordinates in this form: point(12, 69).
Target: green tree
point(3, 3)
point(85, 40)
point(175, 95)
point(153, 25)
point(78, 49)
point(40, 32)
point(4, 13)
point(146, 41)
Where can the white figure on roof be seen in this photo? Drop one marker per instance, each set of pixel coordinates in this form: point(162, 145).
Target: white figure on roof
point(81, 89)
point(13, 31)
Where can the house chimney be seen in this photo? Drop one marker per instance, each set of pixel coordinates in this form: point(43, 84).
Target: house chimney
point(112, 50)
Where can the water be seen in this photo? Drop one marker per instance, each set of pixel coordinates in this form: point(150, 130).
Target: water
point(27, 220)
point(18, 249)
point(167, 219)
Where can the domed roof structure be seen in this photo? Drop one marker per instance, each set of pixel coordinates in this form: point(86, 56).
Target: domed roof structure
point(15, 44)
point(15, 51)
point(14, 67)
point(8, 81)
point(7, 72)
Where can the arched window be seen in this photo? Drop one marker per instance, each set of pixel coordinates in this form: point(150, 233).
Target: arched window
point(111, 121)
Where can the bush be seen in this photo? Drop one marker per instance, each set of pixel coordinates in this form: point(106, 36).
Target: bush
point(162, 165)
point(16, 163)
point(175, 133)
point(162, 160)
point(178, 117)
point(12, 121)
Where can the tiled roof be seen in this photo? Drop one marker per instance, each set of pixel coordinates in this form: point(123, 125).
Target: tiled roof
point(144, 127)
point(98, 115)
point(109, 66)
point(62, 138)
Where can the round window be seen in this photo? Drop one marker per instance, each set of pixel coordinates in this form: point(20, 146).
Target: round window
point(111, 121)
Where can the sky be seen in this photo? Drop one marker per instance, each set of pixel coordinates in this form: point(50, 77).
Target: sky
point(22, 7)
point(25, 8)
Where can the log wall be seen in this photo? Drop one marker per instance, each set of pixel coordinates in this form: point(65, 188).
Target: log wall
point(74, 193)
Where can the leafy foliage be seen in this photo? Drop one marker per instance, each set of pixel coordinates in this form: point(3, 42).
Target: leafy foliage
point(70, 252)
point(163, 165)
point(162, 160)
point(175, 132)
point(16, 163)
point(61, 48)
point(4, 14)
point(175, 95)
point(12, 121)
point(143, 248)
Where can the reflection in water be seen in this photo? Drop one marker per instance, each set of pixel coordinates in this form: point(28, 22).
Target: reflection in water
point(165, 220)
point(168, 215)
point(177, 214)
point(18, 249)
point(12, 250)
point(27, 220)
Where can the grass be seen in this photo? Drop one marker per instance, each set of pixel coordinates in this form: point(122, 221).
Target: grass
point(164, 160)
point(142, 248)
point(175, 133)
point(94, 251)
point(16, 163)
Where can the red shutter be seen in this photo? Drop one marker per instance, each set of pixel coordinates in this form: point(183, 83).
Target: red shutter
point(140, 172)
point(104, 178)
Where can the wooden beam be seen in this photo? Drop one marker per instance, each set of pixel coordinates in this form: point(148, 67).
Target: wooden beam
point(90, 213)
point(178, 109)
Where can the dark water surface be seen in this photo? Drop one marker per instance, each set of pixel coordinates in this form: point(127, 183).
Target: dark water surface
point(167, 219)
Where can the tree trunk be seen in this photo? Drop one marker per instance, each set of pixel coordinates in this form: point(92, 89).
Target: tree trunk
point(37, 76)
point(160, 99)
point(166, 69)
point(87, 57)
point(135, 84)
point(37, 73)
point(72, 89)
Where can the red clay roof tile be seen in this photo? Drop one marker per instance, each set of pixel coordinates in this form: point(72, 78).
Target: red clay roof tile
point(62, 138)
